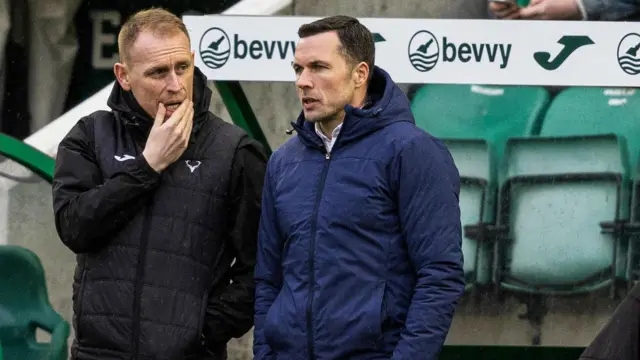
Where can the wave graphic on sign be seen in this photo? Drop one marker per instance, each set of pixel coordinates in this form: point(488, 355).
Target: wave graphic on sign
point(630, 64)
point(423, 62)
point(213, 58)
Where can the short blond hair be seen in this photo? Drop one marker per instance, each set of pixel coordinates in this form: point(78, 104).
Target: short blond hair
point(160, 21)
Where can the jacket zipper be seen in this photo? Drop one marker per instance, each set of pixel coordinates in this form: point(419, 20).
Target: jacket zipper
point(312, 248)
point(142, 259)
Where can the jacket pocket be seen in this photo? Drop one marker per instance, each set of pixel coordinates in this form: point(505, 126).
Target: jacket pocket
point(271, 331)
point(354, 322)
point(379, 313)
point(279, 324)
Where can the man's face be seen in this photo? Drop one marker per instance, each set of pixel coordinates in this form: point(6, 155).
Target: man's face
point(324, 79)
point(159, 70)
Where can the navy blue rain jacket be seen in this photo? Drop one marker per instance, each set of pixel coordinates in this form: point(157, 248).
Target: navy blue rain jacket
point(359, 253)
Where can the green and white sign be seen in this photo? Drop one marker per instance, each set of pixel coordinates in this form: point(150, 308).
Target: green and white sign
point(491, 52)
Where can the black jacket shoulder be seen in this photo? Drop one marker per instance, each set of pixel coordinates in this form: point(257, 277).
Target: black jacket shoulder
point(619, 338)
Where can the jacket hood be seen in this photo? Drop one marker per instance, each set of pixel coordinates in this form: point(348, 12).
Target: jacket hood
point(389, 105)
point(124, 102)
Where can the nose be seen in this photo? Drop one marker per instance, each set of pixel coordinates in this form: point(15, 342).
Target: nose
point(303, 80)
point(173, 82)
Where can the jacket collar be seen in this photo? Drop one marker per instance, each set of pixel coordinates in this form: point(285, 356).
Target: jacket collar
point(386, 104)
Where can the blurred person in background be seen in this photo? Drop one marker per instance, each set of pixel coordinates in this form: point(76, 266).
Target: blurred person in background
point(596, 10)
point(160, 200)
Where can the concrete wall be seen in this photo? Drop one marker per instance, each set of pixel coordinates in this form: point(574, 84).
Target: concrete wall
point(30, 223)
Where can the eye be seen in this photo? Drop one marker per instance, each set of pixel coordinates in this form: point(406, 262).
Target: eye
point(182, 68)
point(157, 73)
point(319, 67)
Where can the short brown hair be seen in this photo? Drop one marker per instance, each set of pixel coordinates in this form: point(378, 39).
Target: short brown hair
point(159, 21)
point(356, 40)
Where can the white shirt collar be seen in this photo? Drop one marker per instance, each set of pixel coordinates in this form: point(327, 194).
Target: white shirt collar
point(328, 143)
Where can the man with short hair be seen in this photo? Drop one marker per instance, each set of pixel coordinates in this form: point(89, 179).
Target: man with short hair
point(160, 199)
point(359, 247)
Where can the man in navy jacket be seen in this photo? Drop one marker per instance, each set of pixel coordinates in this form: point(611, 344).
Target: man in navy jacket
point(359, 253)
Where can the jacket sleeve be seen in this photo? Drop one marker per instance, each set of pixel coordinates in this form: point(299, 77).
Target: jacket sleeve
point(89, 209)
point(428, 187)
point(608, 10)
point(618, 339)
point(268, 267)
point(229, 310)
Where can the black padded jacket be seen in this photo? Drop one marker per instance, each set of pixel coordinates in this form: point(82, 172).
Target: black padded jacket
point(164, 260)
point(619, 339)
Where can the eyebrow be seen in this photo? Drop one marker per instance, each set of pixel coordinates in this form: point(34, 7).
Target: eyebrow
point(165, 68)
point(161, 68)
point(314, 62)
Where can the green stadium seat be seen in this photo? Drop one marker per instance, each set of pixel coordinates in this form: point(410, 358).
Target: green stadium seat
point(632, 230)
point(472, 158)
point(24, 307)
point(594, 110)
point(591, 111)
point(492, 113)
point(560, 202)
point(475, 121)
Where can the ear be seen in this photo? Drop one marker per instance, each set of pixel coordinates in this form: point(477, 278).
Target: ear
point(122, 75)
point(361, 74)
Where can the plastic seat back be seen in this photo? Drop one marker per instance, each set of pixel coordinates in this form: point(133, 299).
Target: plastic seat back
point(555, 193)
point(492, 113)
point(475, 121)
point(25, 307)
point(590, 111)
point(477, 194)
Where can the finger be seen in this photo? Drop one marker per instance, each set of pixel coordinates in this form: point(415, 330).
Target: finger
point(532, 12)
point(506, 13)
point(497, 6)
point(177, 115)
point(513, 15)
point(160, 113)
point(189, 120)
point(188, 129)
point(184, 121)
point(185, 117)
